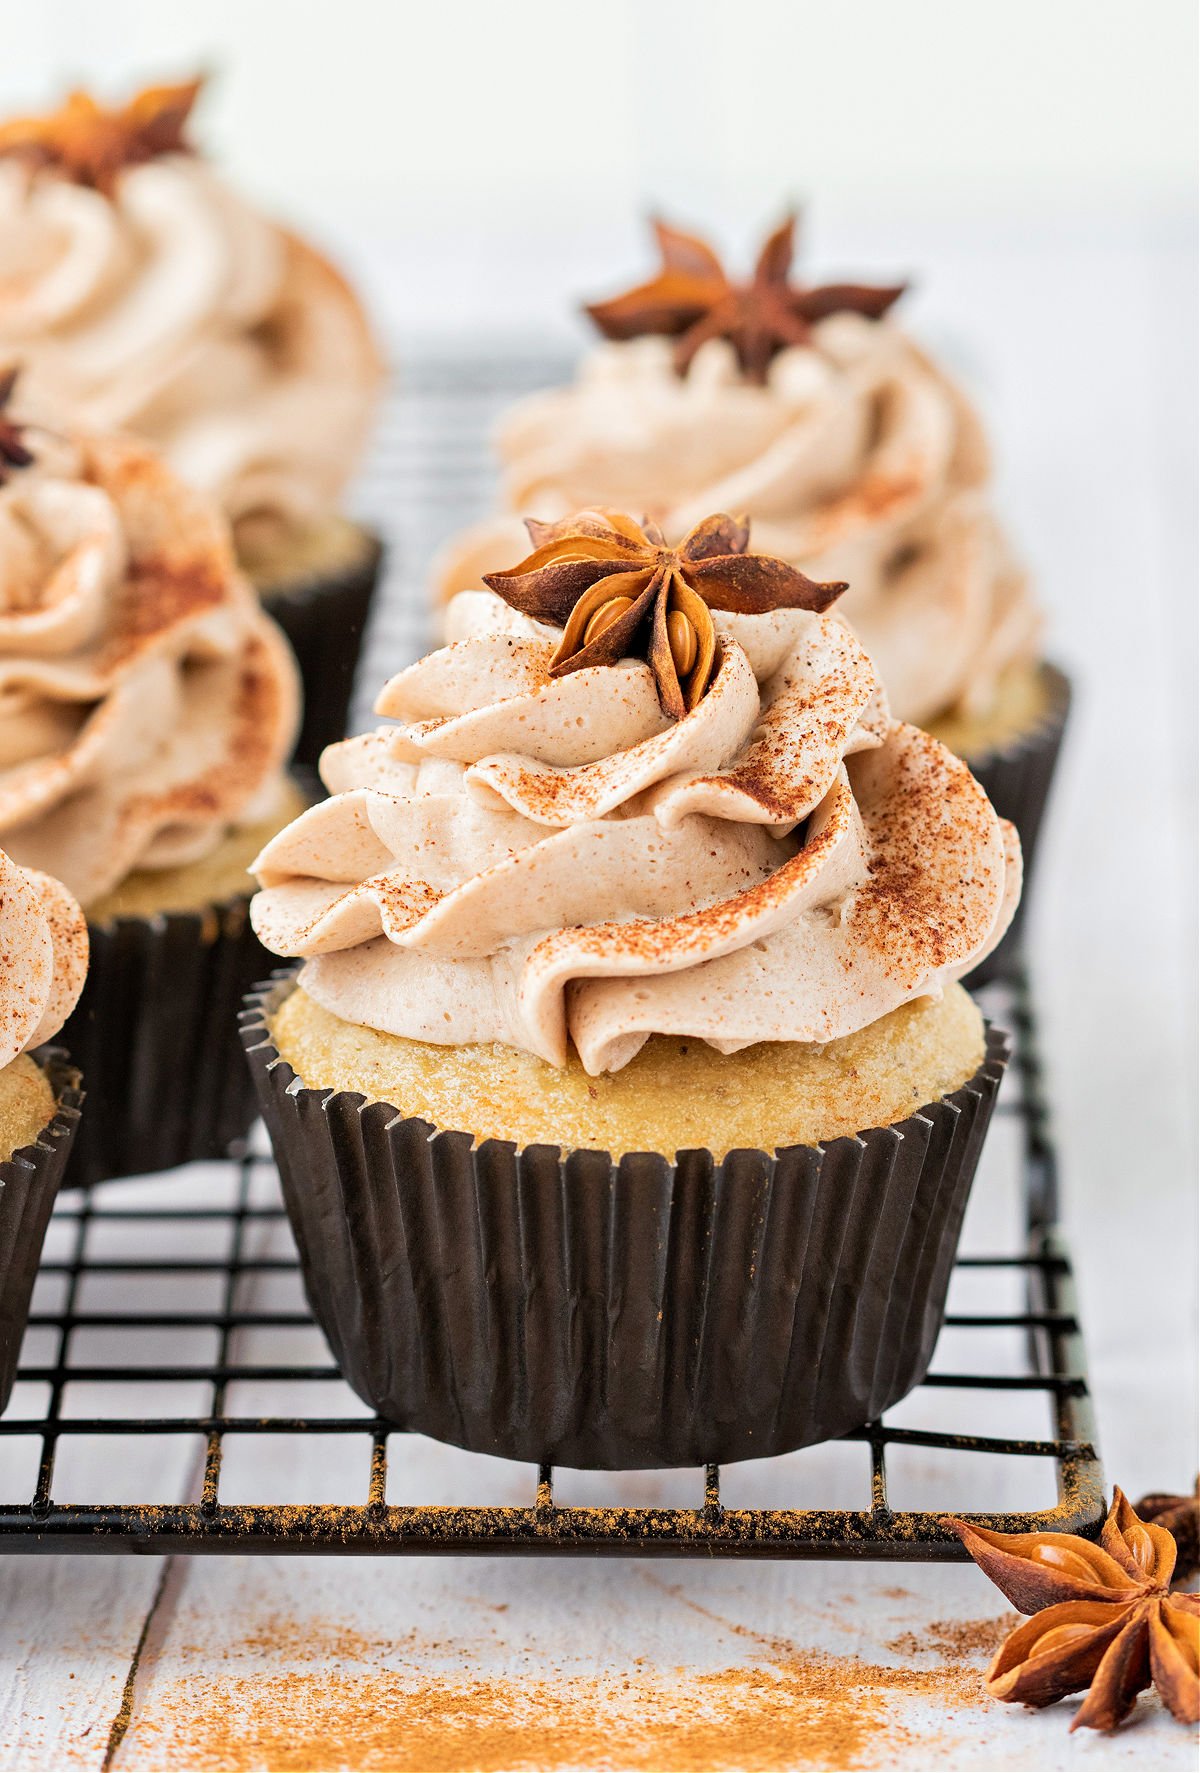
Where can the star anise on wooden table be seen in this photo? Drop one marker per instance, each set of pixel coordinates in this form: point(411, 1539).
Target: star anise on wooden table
point(92, 144)
point(1105, 1618)
point(1180, 1515)
point(618, 592)
point(693, 299)
point(14, 451)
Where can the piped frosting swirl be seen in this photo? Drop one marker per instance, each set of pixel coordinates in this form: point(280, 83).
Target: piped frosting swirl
point(168, 307)
point(555, 862)
point(146, 703)
point(857, 459)
point(43, 957)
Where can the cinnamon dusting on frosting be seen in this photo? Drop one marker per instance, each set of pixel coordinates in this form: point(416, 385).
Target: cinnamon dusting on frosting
point(783, 863)
point(146, 704)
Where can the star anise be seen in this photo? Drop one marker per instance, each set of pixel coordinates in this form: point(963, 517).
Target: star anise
point(693, 299)
point(1180, 1515)
point(93, 144)
point(1106, 1619)
point(618, 591)
point(14, 451)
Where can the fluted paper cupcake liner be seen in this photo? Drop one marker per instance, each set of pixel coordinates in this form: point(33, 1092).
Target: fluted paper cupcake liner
point(1017, 779)
point(155, 1034)
point(620, 1314)
point(29, 1181)
point(325, 619)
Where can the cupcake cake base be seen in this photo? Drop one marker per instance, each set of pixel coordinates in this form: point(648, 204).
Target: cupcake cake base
point(30, 1177)
point(588, 1311)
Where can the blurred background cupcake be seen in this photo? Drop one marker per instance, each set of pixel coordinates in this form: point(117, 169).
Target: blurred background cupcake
point(147, 711)
point(855, 456)
point(43, 961)
point(648, 908)
point(142, 293)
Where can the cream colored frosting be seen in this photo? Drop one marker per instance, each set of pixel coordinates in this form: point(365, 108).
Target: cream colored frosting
point(146, 703)
point(547, 862)
point(857, 460)
point(43, 957)
point(173, 310)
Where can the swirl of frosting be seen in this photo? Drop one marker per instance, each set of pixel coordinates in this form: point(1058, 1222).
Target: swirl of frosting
point(170, 309)
point(546, 862)
point(43, 957)
point(856, 460)
point(146, 703)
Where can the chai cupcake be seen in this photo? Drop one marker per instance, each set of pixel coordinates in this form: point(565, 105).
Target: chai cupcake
point(142, 293)
point(147, 711)
point(626, 1103)
point(43, 960)
point(855, 456)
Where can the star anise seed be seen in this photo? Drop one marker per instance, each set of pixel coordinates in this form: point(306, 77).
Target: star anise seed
point(92, 144)
point(1105, 1619)
point(617, 591)
point(1180, 1515)
point(14, 451)
point(693, 299)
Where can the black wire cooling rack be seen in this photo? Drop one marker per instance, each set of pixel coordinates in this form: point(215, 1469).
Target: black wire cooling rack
point(185, 1291)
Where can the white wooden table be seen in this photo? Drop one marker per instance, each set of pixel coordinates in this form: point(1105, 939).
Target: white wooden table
point(274, 1662)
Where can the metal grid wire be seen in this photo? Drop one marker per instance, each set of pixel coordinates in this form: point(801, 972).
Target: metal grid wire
point(117, 1300)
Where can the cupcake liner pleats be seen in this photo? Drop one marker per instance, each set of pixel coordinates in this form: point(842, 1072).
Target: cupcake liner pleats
point(1017, 778)
point(622, 1314)
point(325, 620)
point(29, 1182)
point(155, 1034)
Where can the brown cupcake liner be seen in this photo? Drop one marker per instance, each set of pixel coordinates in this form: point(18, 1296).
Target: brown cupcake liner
point(623, 1314)
point(155, 1034)
point(1017, 778)
point(29, 1181)
point(325, 619)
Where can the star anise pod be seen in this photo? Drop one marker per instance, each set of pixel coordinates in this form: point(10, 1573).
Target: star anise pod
point(92, 144)
point(14, 451)
point(1105, 1618)
point(618, 591)
point(693, 299)
point(1180, 1515)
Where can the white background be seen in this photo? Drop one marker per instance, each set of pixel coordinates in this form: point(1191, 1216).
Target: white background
point(1031, 164)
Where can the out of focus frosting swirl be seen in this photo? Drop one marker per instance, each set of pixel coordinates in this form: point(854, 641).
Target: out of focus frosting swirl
point(549, 863)
point(43, 957)
point(146, 703)
point(172, 309)
point(857, 460)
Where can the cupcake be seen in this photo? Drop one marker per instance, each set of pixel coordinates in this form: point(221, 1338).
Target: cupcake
point(143, 294)
point(43, 959)
point(626, 1103)
point(854, 455)
point(147, 710)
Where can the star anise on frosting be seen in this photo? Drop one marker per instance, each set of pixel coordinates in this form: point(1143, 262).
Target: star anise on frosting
point(92, 144)
point(693, 299)
point(1105, 1618)
point(619, 592)
point(14, 451)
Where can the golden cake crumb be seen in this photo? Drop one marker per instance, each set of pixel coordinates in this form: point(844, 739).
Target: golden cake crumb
point(278, 558)
point(1022, 697)
point(675, 1095)
point(27, 1104)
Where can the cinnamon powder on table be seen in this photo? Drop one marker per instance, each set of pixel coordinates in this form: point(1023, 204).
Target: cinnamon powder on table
point(795, 1709)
